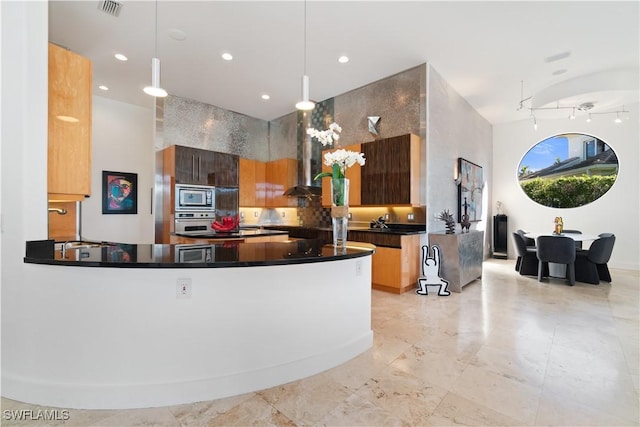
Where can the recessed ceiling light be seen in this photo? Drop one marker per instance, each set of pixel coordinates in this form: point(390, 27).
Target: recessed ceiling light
point(343, 59)
point(558, 56)
point(265, 96)
point(177, 34)
point(558, 72)
point(227, 56)
point(103, 87)
point(120, 57)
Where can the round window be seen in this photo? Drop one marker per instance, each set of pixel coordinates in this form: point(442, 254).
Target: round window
point(568, 170)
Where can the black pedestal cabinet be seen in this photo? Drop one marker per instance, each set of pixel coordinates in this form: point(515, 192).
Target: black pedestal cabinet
point(500, 236)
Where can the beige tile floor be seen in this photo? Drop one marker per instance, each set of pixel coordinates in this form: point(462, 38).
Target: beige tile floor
point(507, 351)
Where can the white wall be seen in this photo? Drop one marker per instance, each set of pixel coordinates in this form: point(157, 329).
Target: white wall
point(23, 128)
point(122, 142)
point(616, 211)
point(454, 130)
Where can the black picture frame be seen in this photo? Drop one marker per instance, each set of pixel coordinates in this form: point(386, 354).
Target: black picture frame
point(119, 192)
point(470, 188)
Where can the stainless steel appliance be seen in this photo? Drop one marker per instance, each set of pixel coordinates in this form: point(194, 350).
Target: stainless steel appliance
point(194, 198)
point(194, 222)
point(194, 253)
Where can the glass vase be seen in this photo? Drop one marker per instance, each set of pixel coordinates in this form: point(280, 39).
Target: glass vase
point(339, 211)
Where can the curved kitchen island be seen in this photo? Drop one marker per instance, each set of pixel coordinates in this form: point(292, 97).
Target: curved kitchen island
point(253, 316)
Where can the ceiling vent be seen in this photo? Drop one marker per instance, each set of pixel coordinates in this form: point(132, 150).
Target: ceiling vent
point(110, 6)
point(586, 106)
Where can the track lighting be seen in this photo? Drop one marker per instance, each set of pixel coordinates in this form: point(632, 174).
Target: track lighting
point(584, 107)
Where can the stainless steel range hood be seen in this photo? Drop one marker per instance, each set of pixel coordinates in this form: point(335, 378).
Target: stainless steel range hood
point(304, 191)
point(306, 188)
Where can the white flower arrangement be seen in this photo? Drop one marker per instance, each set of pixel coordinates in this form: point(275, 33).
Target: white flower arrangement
point(343, 158)
point(326, 137)
point(340, 159)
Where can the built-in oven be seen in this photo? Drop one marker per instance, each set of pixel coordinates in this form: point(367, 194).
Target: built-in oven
point(194, 198)
point(194, 222)
point(194, 253)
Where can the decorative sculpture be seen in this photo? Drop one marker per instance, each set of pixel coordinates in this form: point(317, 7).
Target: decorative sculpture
point(450, 223)
point(372, 122)
point(431, 273)
point(465, 223)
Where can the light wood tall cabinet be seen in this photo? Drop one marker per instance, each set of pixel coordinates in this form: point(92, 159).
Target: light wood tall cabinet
point(69, 135)
point(252, 183)
point(281, 175)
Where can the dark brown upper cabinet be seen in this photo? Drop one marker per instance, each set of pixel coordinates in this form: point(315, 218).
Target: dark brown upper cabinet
point(205, 167)
point(391, 174)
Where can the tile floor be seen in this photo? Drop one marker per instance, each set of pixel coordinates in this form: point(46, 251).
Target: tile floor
point(507, 351)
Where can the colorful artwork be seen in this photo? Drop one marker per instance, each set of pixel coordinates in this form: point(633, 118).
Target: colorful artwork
point(119, 193)
point(469, 191)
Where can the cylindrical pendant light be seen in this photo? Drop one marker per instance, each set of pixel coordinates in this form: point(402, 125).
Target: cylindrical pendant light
point(155, 89)
point(305, 104)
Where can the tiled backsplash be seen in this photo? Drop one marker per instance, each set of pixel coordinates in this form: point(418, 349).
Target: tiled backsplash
point(310, 213)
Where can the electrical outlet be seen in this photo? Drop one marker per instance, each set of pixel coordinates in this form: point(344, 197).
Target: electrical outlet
point(349, 215)
point(359, 268)
point(183, 288)
point(283, 214)
point(386, 217)
point(410, 216)
point(255, 214)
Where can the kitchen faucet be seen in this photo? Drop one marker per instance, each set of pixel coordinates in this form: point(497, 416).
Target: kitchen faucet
point(379, 223)
point(59, 211)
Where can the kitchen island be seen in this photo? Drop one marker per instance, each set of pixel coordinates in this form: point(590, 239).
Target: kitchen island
point(252, 316)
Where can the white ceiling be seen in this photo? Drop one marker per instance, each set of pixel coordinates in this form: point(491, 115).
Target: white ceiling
point(483, 49)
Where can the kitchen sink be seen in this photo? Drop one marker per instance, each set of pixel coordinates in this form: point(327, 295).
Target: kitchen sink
point(78, 244)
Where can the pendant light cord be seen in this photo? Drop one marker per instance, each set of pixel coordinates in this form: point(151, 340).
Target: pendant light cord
point(304, 65)
point(155, 54)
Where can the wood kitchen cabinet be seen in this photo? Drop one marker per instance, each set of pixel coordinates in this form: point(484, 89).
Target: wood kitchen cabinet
point(252, 183)
point(69, 128)
point(353, 174)
point(391, 174)
point(202, 167)
point(225, 170)
point(193, 165)
point(396, 264)
point(281, 175)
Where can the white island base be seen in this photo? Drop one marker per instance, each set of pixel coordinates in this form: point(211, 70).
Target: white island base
point(115, 338)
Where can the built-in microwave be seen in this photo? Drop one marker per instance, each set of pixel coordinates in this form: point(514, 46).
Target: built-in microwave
point(194, 253)
point(194, 198)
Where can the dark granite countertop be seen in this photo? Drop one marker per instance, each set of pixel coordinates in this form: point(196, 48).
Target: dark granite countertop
point(397, 228)
point(230, 254)
point(237, 234)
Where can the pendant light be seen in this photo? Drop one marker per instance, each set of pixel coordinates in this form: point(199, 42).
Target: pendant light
point(155, 89)
point(305, 104)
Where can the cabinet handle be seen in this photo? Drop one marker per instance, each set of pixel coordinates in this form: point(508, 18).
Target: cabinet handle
point(199, 167)
point(193, 168)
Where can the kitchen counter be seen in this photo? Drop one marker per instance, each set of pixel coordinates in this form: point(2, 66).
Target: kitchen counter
point(242, 233)
point(228, 254)
point(165, 331)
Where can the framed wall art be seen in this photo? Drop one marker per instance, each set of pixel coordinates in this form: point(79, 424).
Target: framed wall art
point(119, 193)
point(469, 190)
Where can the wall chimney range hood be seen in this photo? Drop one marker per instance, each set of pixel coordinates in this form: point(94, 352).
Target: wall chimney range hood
point(306, 189)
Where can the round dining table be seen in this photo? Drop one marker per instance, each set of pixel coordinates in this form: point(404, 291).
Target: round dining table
point(578, 237)
point(559, 270)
